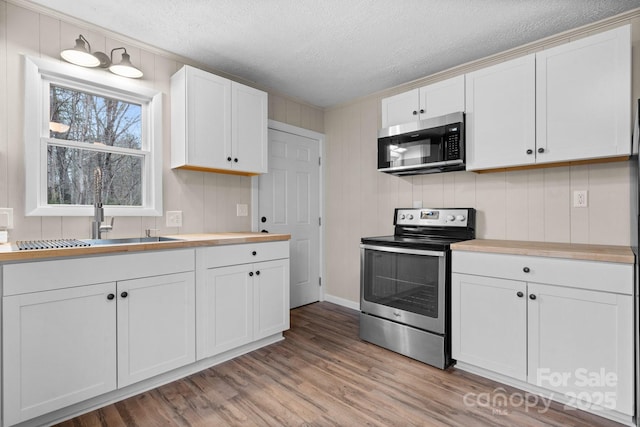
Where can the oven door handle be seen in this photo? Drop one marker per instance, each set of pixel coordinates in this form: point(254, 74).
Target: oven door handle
point(402, 250)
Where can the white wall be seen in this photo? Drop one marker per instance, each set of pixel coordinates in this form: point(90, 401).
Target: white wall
point(518, 205)
point(208, 200)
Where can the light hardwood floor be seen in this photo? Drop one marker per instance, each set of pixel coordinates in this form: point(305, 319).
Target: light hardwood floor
point(322, 374)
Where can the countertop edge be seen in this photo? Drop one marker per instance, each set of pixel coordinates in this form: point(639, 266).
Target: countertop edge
point(9, 253)
point(578, 251)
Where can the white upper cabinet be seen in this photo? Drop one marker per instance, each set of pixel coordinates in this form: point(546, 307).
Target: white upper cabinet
point(571, 102)
point(442, 98)
point(217, 124)
point(434, 100)
point(583, 98)
point(500, 115)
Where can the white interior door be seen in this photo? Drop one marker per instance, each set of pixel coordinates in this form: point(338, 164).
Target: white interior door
point(289, 202)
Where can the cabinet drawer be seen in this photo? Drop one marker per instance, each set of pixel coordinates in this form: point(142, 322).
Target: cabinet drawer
point(594, 275)
point(21, 278)
point(220, 256)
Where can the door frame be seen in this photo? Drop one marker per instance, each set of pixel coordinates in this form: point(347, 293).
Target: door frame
point(255, 221)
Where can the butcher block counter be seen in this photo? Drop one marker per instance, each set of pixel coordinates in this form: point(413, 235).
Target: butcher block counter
point(606, 253)
point(9, 251)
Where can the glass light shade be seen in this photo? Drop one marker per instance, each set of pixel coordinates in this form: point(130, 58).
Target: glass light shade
point(80, 55)
point(125, 68)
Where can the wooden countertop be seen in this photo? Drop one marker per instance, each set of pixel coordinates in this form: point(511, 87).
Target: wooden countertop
point(9, 252)
point(608, 253)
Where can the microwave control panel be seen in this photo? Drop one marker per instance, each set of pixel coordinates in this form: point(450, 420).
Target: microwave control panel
point(452, 142)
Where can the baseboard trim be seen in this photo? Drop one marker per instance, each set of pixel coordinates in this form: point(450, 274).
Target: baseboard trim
point(342, 301)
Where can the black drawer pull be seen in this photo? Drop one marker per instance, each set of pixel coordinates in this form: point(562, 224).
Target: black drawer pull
point(124, 294)
point(532, 296)
point(526, 269)
point(520, 294)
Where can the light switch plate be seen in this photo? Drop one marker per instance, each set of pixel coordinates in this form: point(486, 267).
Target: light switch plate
point(242, 209)
point(6, 218)
point(174, 218)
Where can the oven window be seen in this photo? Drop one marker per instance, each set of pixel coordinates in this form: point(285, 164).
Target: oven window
point(404, 281)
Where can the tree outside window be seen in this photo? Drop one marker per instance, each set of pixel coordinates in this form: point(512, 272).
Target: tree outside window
point(99, 124)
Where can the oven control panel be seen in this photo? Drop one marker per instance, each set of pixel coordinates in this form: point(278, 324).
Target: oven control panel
point(457, 217)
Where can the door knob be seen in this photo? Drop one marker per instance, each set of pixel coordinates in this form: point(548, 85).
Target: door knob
point(124, 294)
point(110, 297)
point(529, 151)
point(532, 296)
point(251, 274)
point(263, 219)
point(520, 294)
point(540, 150)
point(228, 159)
point(264, 231)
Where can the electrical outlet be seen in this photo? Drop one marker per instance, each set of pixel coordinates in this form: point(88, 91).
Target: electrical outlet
point(580, 199)
point(242, 209)
point(6, 218)
point(174, 218)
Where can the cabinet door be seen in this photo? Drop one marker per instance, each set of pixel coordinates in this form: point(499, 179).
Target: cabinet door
point(442, 98)
point(581, 343)
point(489, 324)
point(500, 115)
point(225, 315)
point(208, 116)
point(59, 350)
point(156, 325)
point(401, 108)
point(271, 298)
point(584, 98)
point(249, 129)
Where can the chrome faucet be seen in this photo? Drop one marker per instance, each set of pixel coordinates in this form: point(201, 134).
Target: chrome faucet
point(97, 227)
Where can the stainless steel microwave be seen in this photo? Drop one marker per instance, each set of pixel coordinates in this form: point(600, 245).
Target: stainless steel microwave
point(426, 146)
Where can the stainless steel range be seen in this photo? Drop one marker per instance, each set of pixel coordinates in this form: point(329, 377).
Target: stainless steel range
point(405, 283)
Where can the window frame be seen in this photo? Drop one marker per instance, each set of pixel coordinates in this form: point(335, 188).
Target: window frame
point(39, 75)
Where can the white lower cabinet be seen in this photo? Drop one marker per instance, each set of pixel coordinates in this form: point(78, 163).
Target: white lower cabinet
point(490, 324)
point(572, 336)
point(241, 303)
point(77, 341)
point(59, 348)
point(77, 332)
point(156, 326)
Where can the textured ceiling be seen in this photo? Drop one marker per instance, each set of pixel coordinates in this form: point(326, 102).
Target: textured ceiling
point(326, 52)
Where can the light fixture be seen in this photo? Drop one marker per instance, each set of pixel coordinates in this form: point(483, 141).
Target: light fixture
point(81, 55)
point(125, 68)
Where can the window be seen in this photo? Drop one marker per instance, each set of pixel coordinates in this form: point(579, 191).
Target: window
point(78, 121)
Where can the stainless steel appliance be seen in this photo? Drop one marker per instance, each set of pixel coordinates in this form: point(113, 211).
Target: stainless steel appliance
point(405, 283)
point(425, 146)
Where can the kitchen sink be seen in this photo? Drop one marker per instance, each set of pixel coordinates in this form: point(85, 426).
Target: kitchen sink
point(129, 240)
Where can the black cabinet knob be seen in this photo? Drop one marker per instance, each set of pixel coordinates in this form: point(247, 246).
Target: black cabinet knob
point(258, 273)
point(421, 111)
point(529, 151)
point(235, 160)
point(415, 113)
point(228, 159)
point(264, 231)
point(254, 253)
point(520, 294)
point(251, 274)
point(110, 297)
point(263, 219)
point(526, 269)
point(124, 294)
point(532, 296)
point(540, 150)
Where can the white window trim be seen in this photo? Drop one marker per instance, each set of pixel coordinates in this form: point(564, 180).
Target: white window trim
point(40, 71)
